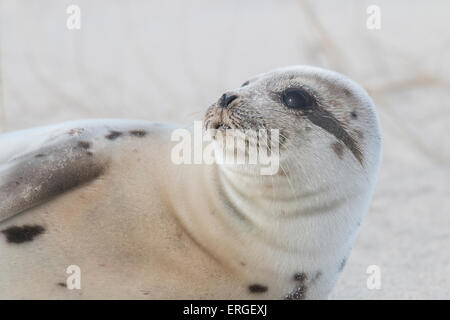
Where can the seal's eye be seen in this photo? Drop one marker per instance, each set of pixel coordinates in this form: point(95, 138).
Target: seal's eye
point(296, 98)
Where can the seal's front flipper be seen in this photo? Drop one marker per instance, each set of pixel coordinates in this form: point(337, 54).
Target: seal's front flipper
point(48, 171)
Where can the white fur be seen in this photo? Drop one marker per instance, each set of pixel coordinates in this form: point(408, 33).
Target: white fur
point(150, 229)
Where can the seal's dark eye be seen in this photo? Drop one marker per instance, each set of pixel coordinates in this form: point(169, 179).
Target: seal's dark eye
point(297, 98)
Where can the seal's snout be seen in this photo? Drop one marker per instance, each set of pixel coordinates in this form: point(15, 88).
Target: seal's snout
point(226, 99)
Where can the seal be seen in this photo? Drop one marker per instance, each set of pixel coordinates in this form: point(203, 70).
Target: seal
point(105, 196)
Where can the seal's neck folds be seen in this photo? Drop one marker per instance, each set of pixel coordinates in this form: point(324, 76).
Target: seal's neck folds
point(271, 196)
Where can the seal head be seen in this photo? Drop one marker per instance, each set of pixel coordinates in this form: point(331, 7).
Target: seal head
point(330, 151)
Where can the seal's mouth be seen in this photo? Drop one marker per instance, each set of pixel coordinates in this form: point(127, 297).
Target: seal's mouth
point(240, 122)
point(220, 126)
point(219, 119)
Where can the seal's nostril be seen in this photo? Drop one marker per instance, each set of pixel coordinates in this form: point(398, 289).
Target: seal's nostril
point(226, 99)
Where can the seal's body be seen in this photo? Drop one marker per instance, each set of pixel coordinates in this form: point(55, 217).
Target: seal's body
point(105, 196)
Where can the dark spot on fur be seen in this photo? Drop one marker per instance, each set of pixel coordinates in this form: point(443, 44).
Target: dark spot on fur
point(22, 234)
point(299, 292)
point(84, 144)
point(62, 284)
point(257, 288)
point(89, 153)
point(346, 92)
point(138, 133)
point(145, 293)
point(301, 276)
point(354, 115)
point(243, 263)
point(39, 155)
point(338, 148)
point(342, 264)
point(317, 276)
point(245, 83)
point(113, 135)
point(75, 131)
